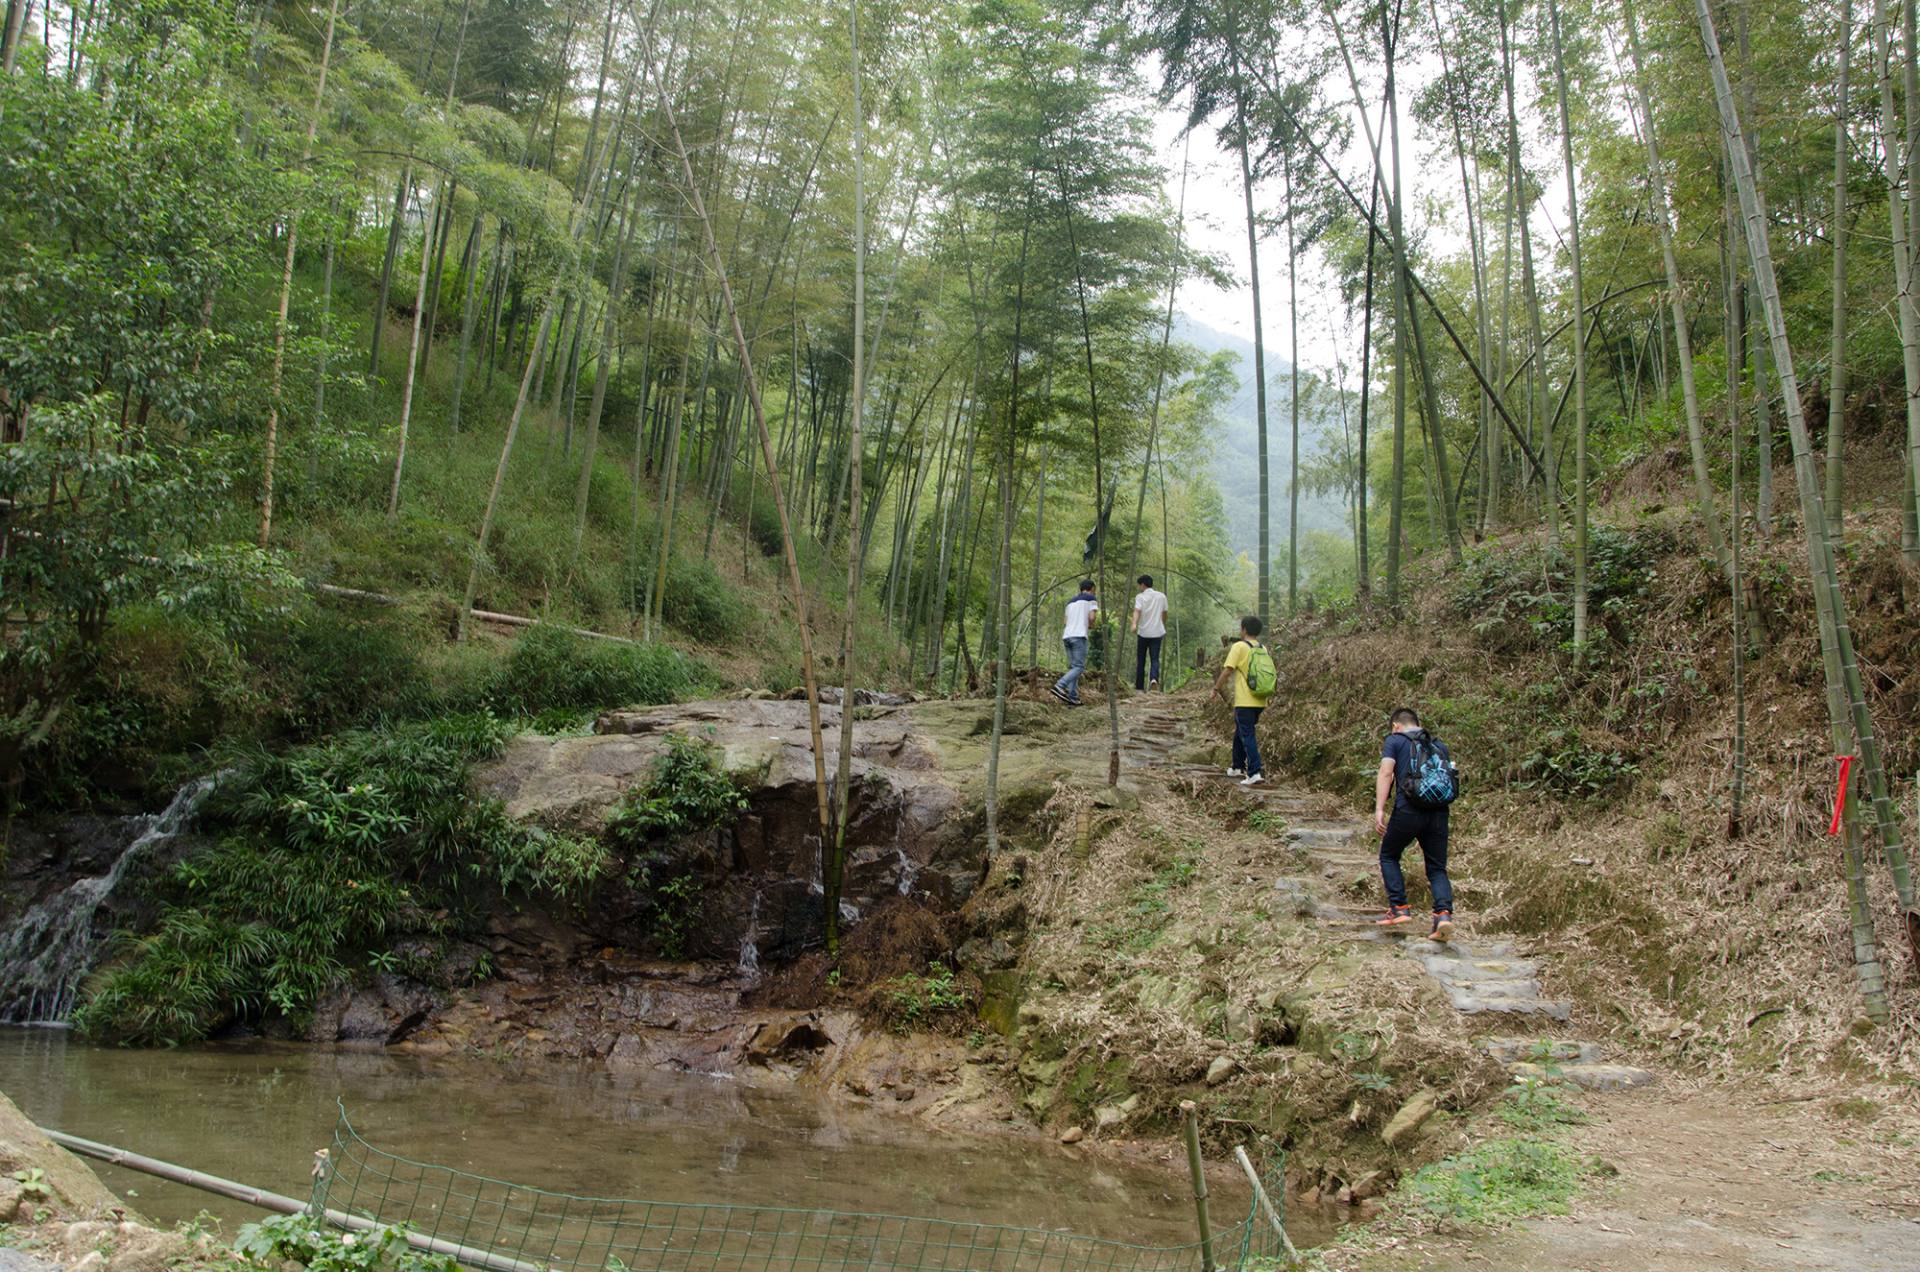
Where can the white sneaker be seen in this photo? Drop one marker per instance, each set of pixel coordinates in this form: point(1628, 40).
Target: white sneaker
point(1153, 686)
point(1256, 780)
point(1236, 772)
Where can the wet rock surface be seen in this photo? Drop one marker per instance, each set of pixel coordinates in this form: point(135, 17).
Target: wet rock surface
point(760, 896)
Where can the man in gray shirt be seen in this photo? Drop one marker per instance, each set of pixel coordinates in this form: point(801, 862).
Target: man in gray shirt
point(1149, 626)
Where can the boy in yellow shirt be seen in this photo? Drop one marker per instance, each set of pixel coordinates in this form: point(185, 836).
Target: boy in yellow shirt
point(1247, 705)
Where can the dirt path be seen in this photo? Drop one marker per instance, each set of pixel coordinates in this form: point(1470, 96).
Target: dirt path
point(1702, 1176)
point(1708, 1180)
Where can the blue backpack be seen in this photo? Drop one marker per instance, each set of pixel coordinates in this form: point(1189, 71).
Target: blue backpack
point(1430, 778)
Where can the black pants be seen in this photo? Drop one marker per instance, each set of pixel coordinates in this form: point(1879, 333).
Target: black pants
point(1145, 647)
point(1429, 827)
point(1246, 739)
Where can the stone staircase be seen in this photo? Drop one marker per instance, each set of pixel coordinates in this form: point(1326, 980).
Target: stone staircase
point(1337, 883)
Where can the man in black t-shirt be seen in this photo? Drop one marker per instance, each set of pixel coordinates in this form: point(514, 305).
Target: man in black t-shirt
point(1409, 824)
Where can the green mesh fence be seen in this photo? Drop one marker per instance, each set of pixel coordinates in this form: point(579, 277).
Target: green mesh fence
point(505, 1227)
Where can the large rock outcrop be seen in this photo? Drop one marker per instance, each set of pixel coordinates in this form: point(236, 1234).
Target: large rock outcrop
point(759, 879)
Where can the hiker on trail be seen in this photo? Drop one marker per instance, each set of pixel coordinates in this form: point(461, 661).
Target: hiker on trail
point(1416, 769)
point(1249, 665)
point(1080, 612)
point(1148, 622)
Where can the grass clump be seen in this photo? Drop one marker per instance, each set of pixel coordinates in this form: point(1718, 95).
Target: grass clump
point(1511, 1178)
point(325, 854)
point(909, 1002)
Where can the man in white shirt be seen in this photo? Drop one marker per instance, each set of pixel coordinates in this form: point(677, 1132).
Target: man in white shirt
point(1080, 612)
point(1149, 625)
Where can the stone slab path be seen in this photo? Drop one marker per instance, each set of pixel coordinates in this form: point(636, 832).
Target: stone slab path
point(1488, 980)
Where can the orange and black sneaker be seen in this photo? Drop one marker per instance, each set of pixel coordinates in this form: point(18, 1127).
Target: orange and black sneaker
point(1442, 925)
point(1395, 916)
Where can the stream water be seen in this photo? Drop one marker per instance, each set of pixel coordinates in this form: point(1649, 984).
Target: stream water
point(256, 1111)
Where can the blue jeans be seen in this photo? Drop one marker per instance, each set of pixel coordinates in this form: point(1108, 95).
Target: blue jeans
point(1069, 684)
point(1429, 827)
point(1246, 745)
point(1146, 646)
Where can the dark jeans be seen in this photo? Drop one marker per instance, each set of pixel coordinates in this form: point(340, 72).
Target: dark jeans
point(1246, 746)
point(1146, 647)
point(1429, 827)
point(1069, 684)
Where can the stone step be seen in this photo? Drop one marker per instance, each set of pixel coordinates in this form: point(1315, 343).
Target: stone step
point(1470, 1002)
point(1462, 965)
point(1595, 1076)
point(1511, 1051)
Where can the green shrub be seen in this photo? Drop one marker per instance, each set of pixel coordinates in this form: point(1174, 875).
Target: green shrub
point(324, 854)
point(550, 668)
point(1564, 763)
point(910, 1001)
point(764, 524)
point(687, 792)
point(1523, 598)
point(334, 672)
point(701, 603)
point(158, 683)
point(300, 1239)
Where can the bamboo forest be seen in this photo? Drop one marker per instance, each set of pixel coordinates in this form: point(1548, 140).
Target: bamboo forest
point(640, 635)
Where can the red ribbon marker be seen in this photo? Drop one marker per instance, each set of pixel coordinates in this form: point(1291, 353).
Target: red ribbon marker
point(1840, 796)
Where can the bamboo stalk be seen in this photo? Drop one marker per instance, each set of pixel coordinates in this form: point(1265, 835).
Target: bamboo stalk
point(1260, 1198)
point(1190, 1116)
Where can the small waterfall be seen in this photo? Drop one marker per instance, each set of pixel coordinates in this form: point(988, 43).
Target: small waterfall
point(48, 951)
point(749, 943)
point(909, 871)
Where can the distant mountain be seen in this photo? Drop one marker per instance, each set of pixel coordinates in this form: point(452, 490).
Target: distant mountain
point(1236, 458)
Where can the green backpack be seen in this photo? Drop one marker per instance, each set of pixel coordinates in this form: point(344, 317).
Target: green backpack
point(1262, 675)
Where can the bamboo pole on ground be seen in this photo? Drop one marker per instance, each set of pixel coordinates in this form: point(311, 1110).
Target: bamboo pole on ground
point(279, 1203)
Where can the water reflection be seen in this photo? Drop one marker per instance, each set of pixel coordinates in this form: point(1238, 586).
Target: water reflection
point(255, 1112)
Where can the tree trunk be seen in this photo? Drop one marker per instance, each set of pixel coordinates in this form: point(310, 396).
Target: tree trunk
point(1265, 564)
point(1396, 493)
point(1907, 306)
point(272, 442)
point(616, 286)
point(1837, 352)
point(843, 773)
point(1293, 400)
point(469, 272)
point(1003, 591)
point(1579, 346)
point(1099, 474)
point(395, 231)
point(1707, 504)
point(1836, 635)
point(500, 474)
point(326, 333)
point(805, 632)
